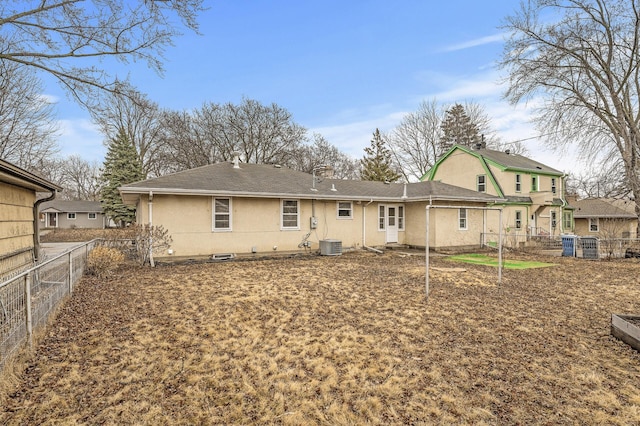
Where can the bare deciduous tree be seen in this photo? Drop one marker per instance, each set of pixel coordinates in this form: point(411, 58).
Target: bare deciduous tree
point(322, 153)
point(63, 37)
point(607, 183)
point(415, 141)
point(181, 144)
point(261, 134)
point(27, 129)
point(128, 109)
point(81, 178)
point(586, 61)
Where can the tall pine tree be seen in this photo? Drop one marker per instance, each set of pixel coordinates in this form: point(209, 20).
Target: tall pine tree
point(121, 166)
point(377, 164)
point(458, 128)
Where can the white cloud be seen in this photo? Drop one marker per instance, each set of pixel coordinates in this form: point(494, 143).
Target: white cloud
point(496, 38)
point(81, 137)
point(512, 123)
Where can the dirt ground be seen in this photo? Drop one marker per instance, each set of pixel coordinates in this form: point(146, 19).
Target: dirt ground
point(338, 340)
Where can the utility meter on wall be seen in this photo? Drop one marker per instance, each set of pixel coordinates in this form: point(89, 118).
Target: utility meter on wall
point(314, 222)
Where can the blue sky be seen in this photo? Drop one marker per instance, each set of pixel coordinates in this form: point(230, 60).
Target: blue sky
point(342, 68)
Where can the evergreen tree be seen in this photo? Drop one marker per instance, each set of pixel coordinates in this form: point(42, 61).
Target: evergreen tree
point(377, 164)
point(458, 128)
point(121, 166)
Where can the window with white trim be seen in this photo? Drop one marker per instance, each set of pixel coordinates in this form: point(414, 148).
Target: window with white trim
point(222, 214)
point(92, 216)
point(290, 214)
point(593, 224)
point(554, 219)
point(518, 183)
point(345, 210)
point(71, 216)
point(401, 218)
point(462, 219)
point(381, 217)
point(534, 183)
point(481, 183)
point(518, 224)
point(554, 189)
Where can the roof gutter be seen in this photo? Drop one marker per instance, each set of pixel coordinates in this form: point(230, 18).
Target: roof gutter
point(363, 198)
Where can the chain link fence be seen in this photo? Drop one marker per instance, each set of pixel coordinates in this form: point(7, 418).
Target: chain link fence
point(606, 248)
point(29, 298)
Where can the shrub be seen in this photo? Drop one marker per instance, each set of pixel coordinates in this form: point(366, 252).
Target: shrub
point(149, 239)
point(103, 261)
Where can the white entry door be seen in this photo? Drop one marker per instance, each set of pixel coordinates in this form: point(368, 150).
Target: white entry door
point(534, 229)
point(392, 224)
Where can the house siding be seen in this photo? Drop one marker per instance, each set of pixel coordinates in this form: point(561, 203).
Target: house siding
point(16, 227)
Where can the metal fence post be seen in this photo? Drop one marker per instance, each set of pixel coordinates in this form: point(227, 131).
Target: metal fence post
point(27, 307)
point(70, 271)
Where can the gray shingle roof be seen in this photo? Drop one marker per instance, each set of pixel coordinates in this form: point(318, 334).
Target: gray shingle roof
point(596, 207)
point(258, 180)
point(515, 161)
point(66, 206)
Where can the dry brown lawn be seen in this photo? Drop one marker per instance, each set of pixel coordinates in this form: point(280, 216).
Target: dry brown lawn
point(83, 234)
point(338, 341)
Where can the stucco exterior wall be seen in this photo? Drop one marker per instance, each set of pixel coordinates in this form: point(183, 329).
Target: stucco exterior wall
point(16, 225)
point(256, 225)
point(461, 169)
point(607, 228)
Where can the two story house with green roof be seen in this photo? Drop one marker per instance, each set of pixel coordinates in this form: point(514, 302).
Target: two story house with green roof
point(533, 192)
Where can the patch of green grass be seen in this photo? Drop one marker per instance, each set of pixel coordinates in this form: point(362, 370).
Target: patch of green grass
point(481, 259)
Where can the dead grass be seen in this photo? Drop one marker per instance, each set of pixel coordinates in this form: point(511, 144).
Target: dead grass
point(341, 341)
point(83, 234)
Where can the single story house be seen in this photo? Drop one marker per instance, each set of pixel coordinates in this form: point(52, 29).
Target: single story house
point(233, 208)
point(19, 245)
point(604, 218)
point(72, 214)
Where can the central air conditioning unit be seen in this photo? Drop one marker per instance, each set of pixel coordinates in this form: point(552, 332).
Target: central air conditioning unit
point(330, 247)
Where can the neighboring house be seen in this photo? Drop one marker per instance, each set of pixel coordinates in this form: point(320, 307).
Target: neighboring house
point(249, 208)
point(534, 206)
point(18, 216)
point(603, 218)
point(72, 214)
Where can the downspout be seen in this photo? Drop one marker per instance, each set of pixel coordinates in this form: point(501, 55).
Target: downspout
point(36, 230)
point(151, 261)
